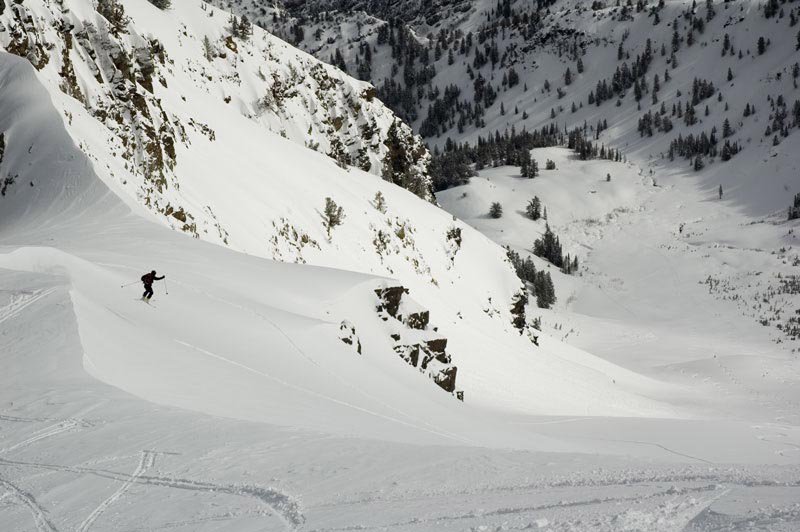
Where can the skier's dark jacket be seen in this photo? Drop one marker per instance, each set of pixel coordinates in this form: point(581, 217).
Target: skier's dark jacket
point(148, 278)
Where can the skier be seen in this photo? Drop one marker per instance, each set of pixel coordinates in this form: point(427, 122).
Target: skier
point(148, 279)
point(720, 192)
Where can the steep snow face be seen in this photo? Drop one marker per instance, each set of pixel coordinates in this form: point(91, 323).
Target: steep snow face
point(238, 335)
point(456, 313)
point(241, 344)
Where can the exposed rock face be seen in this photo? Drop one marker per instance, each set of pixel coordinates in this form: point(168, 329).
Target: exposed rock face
point(119, 68)
point(25, 38)
point(418, 320)
point(420, 348)
point(347, 334)
point(518, 305)
point(453, 243)
point(390, 298)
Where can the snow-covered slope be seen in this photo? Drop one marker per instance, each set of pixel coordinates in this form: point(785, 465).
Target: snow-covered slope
point(274, 395)
point(683, 89)
point(156, 88)
point(673, 283)
point(521, 51)
point(454, 319)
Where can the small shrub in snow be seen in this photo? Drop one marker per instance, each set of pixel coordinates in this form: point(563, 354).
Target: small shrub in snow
point(496, 210)
point(550, 165)
point(208, 49)
point(333, 216)
point(379, 202)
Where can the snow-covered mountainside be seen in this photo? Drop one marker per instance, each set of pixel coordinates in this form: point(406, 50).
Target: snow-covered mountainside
point(184, 131)
point(330, 350)
point(657, 80)
point(143, 75)
point(708, 90)
point(450, 297)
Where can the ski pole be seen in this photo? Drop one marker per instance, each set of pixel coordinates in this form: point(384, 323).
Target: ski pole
point(166, 288)
point(129, 284)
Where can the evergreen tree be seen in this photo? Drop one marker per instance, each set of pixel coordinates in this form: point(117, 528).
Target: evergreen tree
point(544, 290)
point(245, 28)
point(710, 12)
point(401, 164)
point(698, 164)
point(114, 13)
point(496, 210)
point(726, 152)
point(794, 209)
point(726, 129)
point(534, 209)
point(161, 4)
point(549, 248)
point(339, 153)
point(333, 215)
point(762, 46)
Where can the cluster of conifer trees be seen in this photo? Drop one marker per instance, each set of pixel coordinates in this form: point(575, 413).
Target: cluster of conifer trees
point(539, 282)
point(457, 162)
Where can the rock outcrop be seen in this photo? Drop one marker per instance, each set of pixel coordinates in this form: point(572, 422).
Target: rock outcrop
point(413, 342)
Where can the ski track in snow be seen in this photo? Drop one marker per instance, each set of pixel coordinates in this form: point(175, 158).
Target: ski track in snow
point(16, 419)
point(681, 507)
point(146, 462)
point(282, 505)
point(43, 524)
point(48, 432)
point(333, 375)
point(360, 391)
point(21, 302)
point(653, 444)
point(322, 396)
